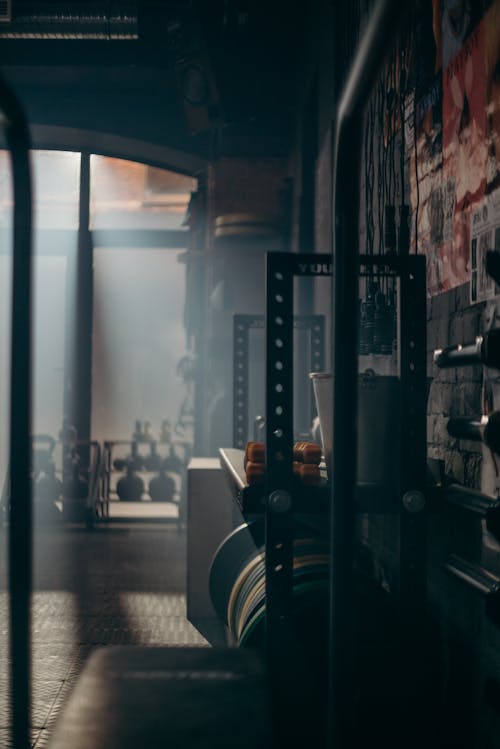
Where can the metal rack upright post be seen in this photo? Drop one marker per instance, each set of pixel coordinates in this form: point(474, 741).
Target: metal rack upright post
point(281, 271)
point(281, 647)
point(409, 501)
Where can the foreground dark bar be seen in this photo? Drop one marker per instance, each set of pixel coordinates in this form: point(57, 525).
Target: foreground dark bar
point(374, 46)
point(20, 526)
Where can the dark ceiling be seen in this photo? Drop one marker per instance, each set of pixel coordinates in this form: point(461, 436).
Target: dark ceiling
point(213, 77)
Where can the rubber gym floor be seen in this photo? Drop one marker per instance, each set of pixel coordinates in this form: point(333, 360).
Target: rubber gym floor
point(120, 584)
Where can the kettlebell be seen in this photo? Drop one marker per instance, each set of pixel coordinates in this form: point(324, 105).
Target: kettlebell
point(130, 487)
point(136, 460)
point(138, 434)
point(42, 461)
point(148, 432)
point(162, 488)
point(172, 462)
point(48, 486)
point(166, 432)
point(48, 490)
point(152, 461)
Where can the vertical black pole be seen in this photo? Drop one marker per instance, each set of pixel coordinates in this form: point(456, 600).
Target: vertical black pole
point(20, 527)
point(278, 511)
point(197, 301)
point(345, 368)
point(367, 64)
point(69, 334)
point(200, 445)
point(413, 514)
point(81, 346)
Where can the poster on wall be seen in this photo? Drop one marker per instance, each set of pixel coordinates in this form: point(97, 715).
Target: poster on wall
point(485, 215)
point(465, 153)
point(454, 21)
point(484, 236)
point(492, 70)
point(455, 27)
point(452, 134)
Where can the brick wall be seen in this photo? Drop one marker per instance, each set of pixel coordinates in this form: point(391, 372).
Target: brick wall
point(457, 391)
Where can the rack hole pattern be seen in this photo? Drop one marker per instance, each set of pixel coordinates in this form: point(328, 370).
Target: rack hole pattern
point(313, 324)
point(281, 270)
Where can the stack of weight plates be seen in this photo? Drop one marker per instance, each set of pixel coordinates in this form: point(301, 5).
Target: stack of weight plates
point(237, 580)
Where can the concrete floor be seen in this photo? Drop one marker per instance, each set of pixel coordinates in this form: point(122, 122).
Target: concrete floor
point(123, 584)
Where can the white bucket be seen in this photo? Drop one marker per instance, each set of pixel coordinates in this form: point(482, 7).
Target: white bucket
point(379, 425)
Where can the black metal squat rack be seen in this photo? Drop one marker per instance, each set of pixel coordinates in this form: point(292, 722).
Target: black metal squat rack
point(282, 499)
point(281, 493)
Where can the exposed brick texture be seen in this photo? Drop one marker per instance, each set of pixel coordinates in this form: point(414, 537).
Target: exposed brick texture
point(453, 392)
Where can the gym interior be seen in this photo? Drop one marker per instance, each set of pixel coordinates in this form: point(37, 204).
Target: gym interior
point(249, 401)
